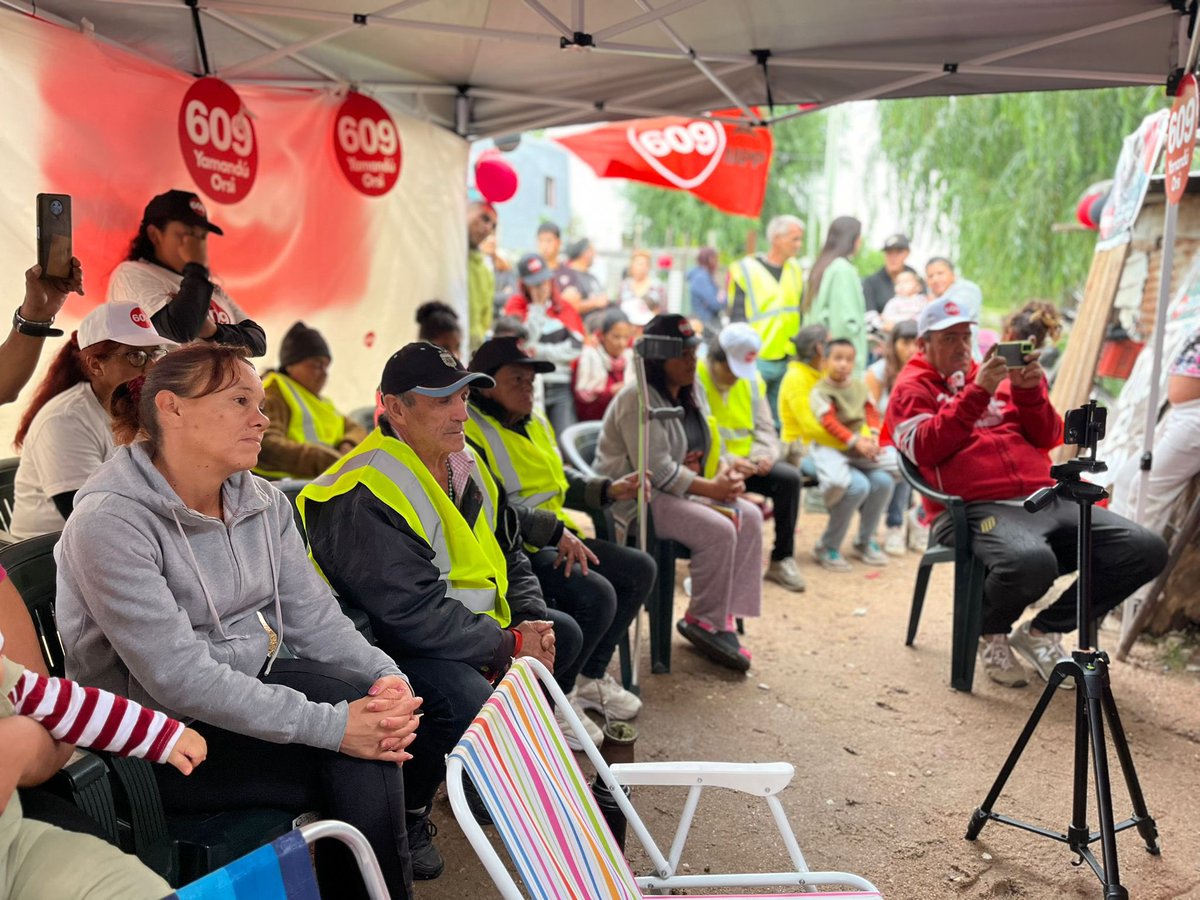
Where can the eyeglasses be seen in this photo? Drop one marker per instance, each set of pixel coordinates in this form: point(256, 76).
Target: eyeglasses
point(139, 358)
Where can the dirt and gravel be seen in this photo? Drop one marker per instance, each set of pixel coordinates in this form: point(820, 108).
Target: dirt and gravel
point(889, 760)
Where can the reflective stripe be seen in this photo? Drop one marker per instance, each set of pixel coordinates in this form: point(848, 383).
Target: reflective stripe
point(760, 317)
point(734, 434)
point(306, 418)
point(752, 312)
point(499, 453)
point(533, 501)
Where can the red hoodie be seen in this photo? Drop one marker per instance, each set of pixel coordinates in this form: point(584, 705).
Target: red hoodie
point(967, 443)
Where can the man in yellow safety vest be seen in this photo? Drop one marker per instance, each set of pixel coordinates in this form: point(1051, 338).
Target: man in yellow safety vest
point(765, 291)
point(600, 584)
point(749, 442)
point(306, 434)
point(411, 529)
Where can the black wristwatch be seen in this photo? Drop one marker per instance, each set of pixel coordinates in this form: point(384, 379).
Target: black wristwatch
point(34, 329)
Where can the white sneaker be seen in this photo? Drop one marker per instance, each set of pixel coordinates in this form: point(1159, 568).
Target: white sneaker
point(999, 663)
point(918, 530)
point(894, 543)
point(1044, 652)
point(869, 553)
point(595, 735)
point(787, 573)
point(605, 694)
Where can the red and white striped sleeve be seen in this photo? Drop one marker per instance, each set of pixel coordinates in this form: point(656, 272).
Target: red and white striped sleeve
point(90, 717)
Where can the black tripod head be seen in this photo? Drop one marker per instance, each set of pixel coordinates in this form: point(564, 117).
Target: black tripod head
point(1083, 427)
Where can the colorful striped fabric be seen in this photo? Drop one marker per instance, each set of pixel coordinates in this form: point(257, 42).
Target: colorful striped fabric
point(541, 803)
point(282, 870)
point(543, 806)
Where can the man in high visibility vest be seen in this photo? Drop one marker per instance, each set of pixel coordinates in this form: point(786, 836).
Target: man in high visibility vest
point(306, 434)
point(749, 442)
point(411, 529)
point(600, 584)
point(765, 291)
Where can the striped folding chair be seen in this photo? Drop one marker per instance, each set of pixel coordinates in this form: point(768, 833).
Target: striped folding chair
point(282, 869)
point(554, 832)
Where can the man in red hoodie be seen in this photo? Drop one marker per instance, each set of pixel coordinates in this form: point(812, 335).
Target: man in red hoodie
point(983, 431)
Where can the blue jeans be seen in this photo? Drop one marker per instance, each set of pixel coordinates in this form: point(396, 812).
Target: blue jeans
point(772, 371)
point(898, 505)
point(868, 493)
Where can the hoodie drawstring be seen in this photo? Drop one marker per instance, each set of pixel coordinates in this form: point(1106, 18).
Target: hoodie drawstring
point(200, 576)
point(275, 586)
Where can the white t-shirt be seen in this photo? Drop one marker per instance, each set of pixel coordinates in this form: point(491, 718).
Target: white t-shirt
point(152, 287)
point(69, 438)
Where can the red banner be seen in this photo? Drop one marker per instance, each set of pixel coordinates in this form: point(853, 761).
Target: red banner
point(724, 165)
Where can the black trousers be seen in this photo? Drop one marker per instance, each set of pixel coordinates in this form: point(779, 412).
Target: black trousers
point(1024, 552)
point(603, 603)
point(782, 485)
point(243, 772)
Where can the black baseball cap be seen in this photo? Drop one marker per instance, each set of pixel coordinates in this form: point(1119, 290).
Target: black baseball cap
point(178, 206)
point(425, 368)
point(493, 355)
point(532, 269)
point(896, 242)
point(676, 326)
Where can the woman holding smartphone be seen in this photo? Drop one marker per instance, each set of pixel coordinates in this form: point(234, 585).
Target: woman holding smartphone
point(167, 275)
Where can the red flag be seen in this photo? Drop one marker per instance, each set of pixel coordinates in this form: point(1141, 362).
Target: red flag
point(722, 164)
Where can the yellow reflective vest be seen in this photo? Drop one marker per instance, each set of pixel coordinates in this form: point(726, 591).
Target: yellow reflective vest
point(314, 420)
point(528, 465)
point(469, 559)
point(772, 307)
point(733, 411)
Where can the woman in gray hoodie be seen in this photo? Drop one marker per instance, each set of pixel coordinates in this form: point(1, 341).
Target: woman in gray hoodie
point(180, 576)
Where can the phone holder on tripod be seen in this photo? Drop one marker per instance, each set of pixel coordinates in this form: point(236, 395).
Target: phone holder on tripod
point(1094, 702)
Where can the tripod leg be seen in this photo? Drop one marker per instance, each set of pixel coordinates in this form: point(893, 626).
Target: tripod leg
point(983, 813)
point(1094, 683)
point(1078, 831)
point(1145, 823)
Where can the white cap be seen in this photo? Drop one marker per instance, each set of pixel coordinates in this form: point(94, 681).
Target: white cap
point(122, 321)
point(741, 344)
point(952, 308)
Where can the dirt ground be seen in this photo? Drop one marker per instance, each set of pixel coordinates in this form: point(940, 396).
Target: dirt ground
point(890, 762)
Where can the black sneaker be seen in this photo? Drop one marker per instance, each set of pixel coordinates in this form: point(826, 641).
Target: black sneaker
point(427, 863)
point(721, 647)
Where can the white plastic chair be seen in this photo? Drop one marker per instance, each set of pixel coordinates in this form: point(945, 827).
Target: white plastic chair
point(555, 834)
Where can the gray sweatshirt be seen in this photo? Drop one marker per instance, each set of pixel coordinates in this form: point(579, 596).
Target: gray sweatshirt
point(617, 449)
point(160, 604)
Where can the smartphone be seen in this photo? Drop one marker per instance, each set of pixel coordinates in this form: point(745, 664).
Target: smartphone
point(1014, 352)
point(54, 235)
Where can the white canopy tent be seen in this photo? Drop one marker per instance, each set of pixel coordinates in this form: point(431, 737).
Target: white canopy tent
point(492, 67)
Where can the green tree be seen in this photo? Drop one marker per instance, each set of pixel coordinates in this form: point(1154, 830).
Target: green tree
point(990, 175)
point(669, 216)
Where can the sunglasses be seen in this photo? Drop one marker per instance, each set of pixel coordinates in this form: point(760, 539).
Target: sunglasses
point(139, 358)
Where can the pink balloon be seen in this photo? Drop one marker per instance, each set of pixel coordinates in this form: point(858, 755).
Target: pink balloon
point(495, 178)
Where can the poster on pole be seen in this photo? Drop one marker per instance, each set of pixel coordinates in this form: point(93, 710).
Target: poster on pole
point(1181, 140)
point(1139, 157)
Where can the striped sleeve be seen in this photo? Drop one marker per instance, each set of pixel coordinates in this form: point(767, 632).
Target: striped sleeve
point(90, 717)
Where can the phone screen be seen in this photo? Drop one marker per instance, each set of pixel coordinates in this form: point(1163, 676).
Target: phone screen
point(54, 235)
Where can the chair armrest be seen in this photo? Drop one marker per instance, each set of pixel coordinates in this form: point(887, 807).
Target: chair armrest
point(760, 779)
point(84, 782)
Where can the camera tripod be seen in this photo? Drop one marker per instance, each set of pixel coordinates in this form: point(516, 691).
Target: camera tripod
point(1094, 703)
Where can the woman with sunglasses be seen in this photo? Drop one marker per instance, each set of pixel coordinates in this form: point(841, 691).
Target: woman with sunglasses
point(66, 433)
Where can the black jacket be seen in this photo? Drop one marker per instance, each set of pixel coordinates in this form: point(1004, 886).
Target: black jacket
point(375, 562)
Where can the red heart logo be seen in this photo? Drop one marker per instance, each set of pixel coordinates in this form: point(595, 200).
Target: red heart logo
point(369, 339)
point(684, 155)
